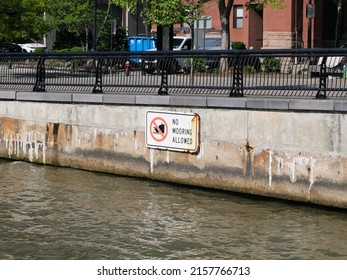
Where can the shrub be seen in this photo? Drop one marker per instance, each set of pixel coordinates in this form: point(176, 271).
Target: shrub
point(238, 45)
point(271, 64)
point(76, 49)
point(119, 40)
point(198, 64)
point(73, 49)
point(39, 50)
point(65, 40)
point(249, 69)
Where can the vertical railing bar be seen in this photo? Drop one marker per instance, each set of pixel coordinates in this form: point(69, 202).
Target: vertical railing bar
point(98, 75)
point(321, 93)
point(40, 76)
point(237, 87)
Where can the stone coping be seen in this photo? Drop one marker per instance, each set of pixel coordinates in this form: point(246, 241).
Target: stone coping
point(249, 103)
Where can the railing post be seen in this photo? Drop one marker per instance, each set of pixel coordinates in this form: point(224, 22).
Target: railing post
point(322, 91)
point(40, 85)
point(163, 90)
point(98, 76)
point(237, 88)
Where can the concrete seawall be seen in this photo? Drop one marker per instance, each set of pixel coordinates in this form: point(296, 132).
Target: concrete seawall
point(285, 148)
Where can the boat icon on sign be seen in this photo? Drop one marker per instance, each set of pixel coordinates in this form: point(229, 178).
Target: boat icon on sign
point(156, 129)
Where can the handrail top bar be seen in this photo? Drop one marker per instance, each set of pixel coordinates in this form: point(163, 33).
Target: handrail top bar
point(262, 52)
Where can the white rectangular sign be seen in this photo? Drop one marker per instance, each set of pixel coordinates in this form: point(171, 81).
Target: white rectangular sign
point(172, 131)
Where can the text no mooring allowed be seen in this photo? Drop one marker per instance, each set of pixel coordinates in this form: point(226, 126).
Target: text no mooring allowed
point(172, 131)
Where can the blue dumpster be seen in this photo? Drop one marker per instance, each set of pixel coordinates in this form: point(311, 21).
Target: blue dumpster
point(140, 43)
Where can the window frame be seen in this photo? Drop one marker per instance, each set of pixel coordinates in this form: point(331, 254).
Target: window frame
point(238, 20)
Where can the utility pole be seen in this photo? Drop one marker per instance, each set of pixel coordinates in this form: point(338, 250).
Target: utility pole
point(94, 27)
point(310, 13)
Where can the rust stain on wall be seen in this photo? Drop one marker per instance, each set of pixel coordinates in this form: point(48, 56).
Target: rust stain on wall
point(247, 157)
point(267, 169)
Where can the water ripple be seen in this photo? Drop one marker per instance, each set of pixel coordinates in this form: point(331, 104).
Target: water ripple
point(56, 213)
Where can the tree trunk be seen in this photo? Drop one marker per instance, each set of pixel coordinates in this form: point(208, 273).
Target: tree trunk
point(225, 33)
point(338, 24)
point(224, 12)
point(87, 40)
point(104, 21)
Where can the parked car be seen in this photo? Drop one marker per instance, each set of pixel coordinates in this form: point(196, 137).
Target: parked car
point(6, 47)
point(31, 47)
point(181, 43)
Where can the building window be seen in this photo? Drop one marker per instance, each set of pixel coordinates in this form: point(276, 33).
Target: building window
point(238, 16)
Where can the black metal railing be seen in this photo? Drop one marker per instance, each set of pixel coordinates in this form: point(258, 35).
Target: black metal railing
point(318, 73)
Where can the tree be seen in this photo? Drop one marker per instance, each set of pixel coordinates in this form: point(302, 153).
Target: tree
point(22, 19)
point(160, 12)
point(260, 4)
point(114, 42)
point(192, 11)
point(339, 6)
point(76, 16)
point(224, 7)
point(224, 14)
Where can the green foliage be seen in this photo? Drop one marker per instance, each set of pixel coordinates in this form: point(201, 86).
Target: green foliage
point(66, 40)
point(39, 50)
point(192, 10)
point(237, 45)
point(73, 49)
point(249, 69)
point(75, 22)
point(271, 64)
point(214, 70)
point(23, 19)
point(119, 41)
point(129, 4)
point(165, 12)
point(76, 49)
point(259, 5)
point(73, 17)
point(198, 64)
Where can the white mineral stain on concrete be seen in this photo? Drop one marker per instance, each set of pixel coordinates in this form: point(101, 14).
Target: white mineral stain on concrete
point(201, 152)
point(293, 164)
point(167, 156)
point(270, 168)
point(151, 157)
point(31, 143)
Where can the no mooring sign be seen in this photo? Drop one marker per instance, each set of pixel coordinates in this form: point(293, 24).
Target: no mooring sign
point(173, 131)
point(158, 129)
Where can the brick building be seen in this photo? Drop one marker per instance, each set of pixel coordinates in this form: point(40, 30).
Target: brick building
point(284, 28)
